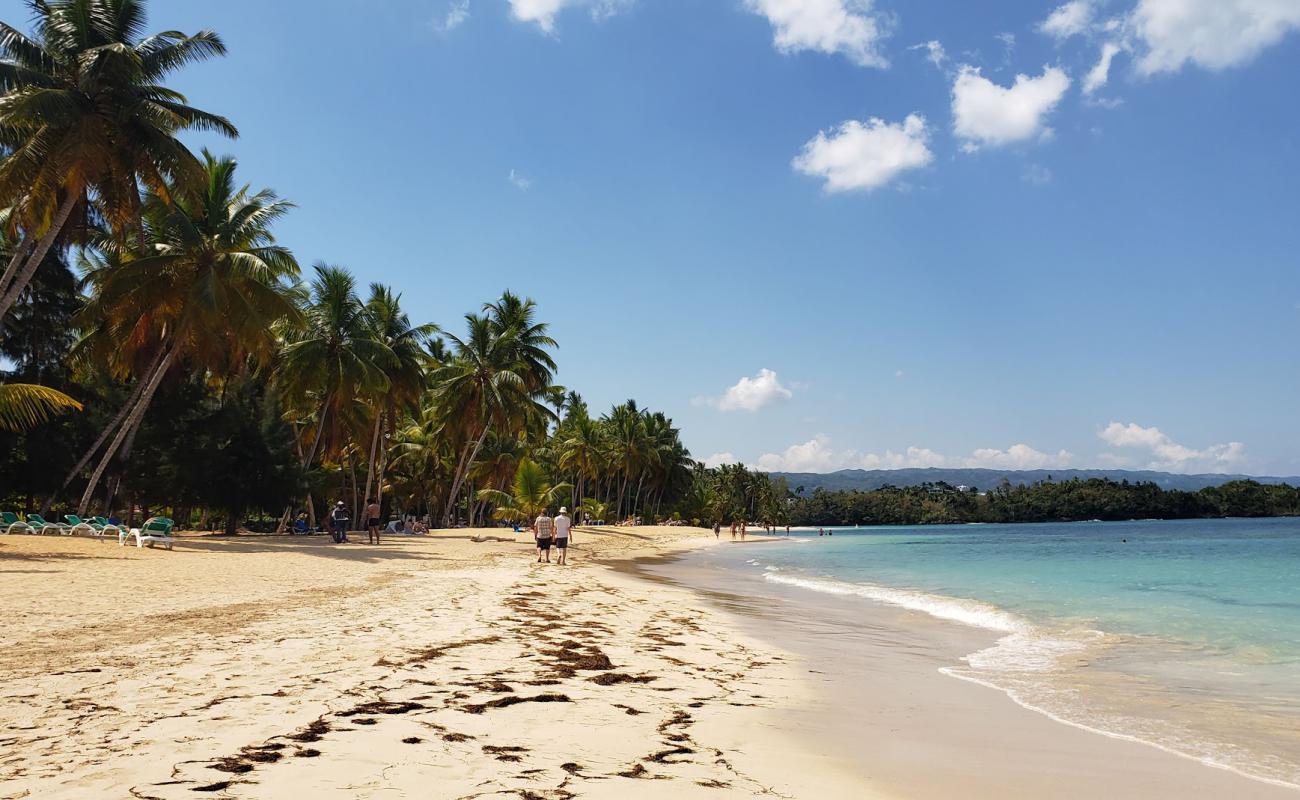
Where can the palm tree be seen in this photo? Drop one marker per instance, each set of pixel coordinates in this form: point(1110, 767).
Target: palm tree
point(595, 509)
point(211, 286)
point(529, 496)
point(628, 445)
point(485, 385)
point(25, 405)
point(407, 372)
point(84, 113)
point(333, 359)
point(582, 451)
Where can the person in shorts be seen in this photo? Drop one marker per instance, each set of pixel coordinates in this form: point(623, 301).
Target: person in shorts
point(562, 526)
point(372, 521)
point(543, 532)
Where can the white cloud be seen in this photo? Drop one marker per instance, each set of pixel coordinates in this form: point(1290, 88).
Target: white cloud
point(1070, 19)
point(988, 114)
point(519, 181)
point(818, 455)
point(749, 394)
point(898, 373)
point(718, 459)
point(934, 52)
point(544, 12)
point(1100, 73)
point(1018, 456)
point(865, 156)
point(457, 13)
point(1170, 456)
point(1214, 34)
point(847, 27)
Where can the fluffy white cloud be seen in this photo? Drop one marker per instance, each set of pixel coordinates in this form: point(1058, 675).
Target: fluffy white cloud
point(846, 27)
point(988, 114)
point(1170, 456)
point(457, 13)
point(749, 394)
point(718, 459)
point(1213, 34)
point(1019, 456)
point(865, 156)
point(1070, 19)
point(818, 455)
point(1100, 73)
point(543, 12)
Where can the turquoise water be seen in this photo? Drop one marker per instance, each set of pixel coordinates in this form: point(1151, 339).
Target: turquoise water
point(1181, 634)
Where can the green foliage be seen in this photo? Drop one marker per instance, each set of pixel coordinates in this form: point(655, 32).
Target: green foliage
point(1096, 498)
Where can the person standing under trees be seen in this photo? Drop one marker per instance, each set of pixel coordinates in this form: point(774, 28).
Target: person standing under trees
point(372, 521)
point(543, 529)
point(340, 522)
point(562, 526)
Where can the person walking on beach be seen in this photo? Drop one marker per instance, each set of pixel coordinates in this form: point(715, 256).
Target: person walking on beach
point(717, 530)
point(543, 530)
point(340, 522)
point(562, 532)
point(372, 521)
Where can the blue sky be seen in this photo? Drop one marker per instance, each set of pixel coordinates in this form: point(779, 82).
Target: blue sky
point(911, 256)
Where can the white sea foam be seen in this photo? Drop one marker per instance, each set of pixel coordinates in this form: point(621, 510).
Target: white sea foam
point(967, 612)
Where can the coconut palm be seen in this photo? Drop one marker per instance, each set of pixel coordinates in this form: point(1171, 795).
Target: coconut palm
point(594, 509)
point(84, 115)
point(529, 495)
point(407, 372)
point(582, 451)
point(333, 359)
point(209, 288)
point(484, 386)
point(25, 405)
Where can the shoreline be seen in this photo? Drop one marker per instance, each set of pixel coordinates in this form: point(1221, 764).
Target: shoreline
point(1033, 746)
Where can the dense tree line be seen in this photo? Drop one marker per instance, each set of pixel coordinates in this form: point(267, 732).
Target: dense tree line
point(1097, 498)
point(164, 353)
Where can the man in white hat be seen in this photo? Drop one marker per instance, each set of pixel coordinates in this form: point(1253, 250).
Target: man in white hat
point(562, 526)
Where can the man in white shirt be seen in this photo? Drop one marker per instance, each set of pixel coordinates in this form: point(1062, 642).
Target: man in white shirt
point(543, 530)
point(562, 526)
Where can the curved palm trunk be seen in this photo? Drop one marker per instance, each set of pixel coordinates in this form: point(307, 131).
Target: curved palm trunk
point(374, 447)
point(462, 471)
point(104, 434)
point(34, 259)
point(132, 421)
point(21, 252)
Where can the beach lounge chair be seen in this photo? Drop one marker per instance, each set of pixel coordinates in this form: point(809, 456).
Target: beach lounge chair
point(92, 527)
point(12, 524)
point(155, 530)
point(38, 522)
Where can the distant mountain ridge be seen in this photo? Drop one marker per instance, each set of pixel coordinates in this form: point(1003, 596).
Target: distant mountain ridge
point(984, 479)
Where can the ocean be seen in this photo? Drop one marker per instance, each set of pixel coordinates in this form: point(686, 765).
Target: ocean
point(1184, 635)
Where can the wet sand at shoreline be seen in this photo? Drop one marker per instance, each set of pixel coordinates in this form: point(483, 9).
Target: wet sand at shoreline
point(882, 706)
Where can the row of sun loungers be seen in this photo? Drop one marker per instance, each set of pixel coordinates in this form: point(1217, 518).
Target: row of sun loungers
point(155, 530)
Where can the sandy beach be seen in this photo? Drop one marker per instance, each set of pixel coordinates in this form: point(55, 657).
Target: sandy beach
point(430, 666)
point(441, 666)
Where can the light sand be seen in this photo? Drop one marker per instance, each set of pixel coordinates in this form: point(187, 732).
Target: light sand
point(428, 666)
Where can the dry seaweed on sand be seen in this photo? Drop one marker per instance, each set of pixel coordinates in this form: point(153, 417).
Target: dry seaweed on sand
point(513, 700)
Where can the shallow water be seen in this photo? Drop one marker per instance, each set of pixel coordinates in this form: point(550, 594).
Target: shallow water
point(1181, 634)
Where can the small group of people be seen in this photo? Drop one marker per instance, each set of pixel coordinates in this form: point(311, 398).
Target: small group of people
point(558, 530)
point(341, 522)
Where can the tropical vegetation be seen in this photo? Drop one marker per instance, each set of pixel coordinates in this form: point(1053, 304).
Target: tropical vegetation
point(160, 350)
